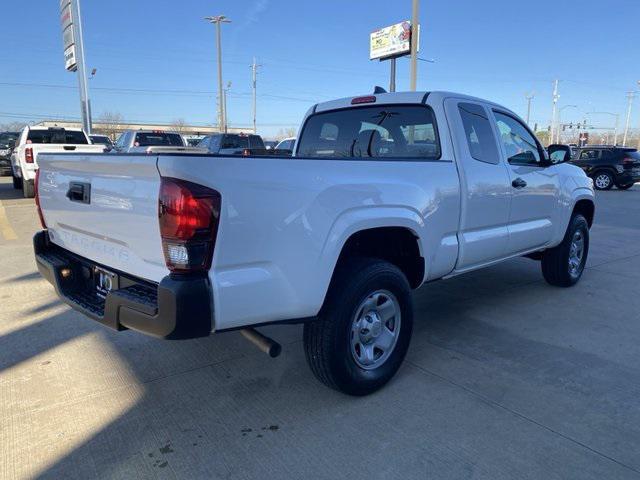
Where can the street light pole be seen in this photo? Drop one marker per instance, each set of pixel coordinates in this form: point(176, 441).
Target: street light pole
point(553, 111)
point(560, 119)
point(414, 44)
point(217, 20)
point(529, 97)
point(630, 97)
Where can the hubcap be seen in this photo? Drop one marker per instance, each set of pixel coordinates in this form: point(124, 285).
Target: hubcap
point(375, 329)
point(576, 252)
point(602, 181)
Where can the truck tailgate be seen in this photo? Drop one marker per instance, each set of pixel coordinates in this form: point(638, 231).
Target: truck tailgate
point(105, 208)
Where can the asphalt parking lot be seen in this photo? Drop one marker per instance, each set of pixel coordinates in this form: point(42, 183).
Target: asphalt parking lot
point(506, 378)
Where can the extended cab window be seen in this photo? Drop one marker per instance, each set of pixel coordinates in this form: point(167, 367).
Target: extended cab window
point(57, 136)
point(385, 131)
point(477, 131)
point(520, 145)
point(158, 139)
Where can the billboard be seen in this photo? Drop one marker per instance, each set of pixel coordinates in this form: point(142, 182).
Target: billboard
point(392, 41)
point(68, 39)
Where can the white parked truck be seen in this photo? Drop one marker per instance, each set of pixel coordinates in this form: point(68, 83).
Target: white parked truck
point(384, 193)
point(34, 141)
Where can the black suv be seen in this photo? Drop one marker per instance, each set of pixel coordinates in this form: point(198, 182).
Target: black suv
point(7, 142)
point(608, 165)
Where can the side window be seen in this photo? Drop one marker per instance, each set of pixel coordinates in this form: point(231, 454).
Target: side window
point(520, 146)
point(204, 143)
point(589, 154)
point(477, 131)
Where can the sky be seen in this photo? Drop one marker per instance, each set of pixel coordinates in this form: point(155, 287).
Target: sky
point(156, 60)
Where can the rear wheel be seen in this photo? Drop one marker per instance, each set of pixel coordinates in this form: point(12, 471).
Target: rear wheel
point(363, 331)
point(563, 265)
point(625, 187)
point(28, 188)
point(603, 181)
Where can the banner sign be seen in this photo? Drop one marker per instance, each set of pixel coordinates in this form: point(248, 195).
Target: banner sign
point(392, 41)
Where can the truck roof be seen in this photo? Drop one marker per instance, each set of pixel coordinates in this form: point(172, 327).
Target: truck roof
point(398, 97)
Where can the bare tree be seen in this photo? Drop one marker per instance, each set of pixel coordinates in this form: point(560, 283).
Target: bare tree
point(179, 125)
point(111, 123)
point(286, 133)
point(13, 126)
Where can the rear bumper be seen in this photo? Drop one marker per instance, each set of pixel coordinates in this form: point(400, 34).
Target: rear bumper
point(176, 308)
point(627, 178)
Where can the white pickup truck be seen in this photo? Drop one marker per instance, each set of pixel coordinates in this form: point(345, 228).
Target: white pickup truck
point(384, 193)
point(34, 141)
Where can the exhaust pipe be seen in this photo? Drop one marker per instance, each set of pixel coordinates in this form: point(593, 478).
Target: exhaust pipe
point(264, 343)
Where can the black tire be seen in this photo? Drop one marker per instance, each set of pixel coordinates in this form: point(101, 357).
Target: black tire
point(625, 187)
point(17, 183)
point(328, 340)
point(28, 189)
point(602, 180)
point(555, 261)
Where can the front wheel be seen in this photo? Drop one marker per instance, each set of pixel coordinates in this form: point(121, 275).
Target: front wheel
point(563, 265)
point(363, 331)
point(603, 181)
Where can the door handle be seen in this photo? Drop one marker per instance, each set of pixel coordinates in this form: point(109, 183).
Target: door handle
point(518, 183)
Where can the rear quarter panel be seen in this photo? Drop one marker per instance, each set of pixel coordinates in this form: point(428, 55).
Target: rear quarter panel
point(284, 222)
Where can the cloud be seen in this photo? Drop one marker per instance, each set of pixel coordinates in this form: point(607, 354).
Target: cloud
point(254, 12)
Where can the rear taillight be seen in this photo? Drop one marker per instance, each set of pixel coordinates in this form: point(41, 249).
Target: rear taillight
point(628, 161)
point(37, 195)
point(28, 155)
point(189, 215)
point(246, 152)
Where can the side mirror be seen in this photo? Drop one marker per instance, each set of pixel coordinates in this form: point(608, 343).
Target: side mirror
point(559, 153)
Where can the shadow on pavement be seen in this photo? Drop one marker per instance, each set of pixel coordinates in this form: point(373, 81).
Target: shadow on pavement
point(202, 416)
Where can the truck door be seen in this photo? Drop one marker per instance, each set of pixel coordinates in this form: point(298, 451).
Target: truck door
point(485, 185)
point(534, 184)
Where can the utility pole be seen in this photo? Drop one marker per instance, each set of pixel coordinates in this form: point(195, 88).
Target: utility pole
point(529, 97)
point(414, 44)
point(553, 111)
point(224, 106)
point(85, 104)
point(254, 71)
point(217, 20)
point(630, 98)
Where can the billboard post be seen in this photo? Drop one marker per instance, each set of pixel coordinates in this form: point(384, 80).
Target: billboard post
point(71, 23)
point(389, 43)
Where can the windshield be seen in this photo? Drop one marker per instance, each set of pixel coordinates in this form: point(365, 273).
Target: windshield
point(8, 139)
point(155, 139)
point(57, 136)
point(389, 131)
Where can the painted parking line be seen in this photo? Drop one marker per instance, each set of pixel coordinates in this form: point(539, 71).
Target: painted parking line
point(5, 227)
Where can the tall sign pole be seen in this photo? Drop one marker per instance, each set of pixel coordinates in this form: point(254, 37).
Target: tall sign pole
point(389, 43)
point(414, 44)
point(71, 21)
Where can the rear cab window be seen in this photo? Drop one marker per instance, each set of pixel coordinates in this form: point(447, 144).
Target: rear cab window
point(478, 133)
point(154, 139)
point(381, 131)
point(57, 136)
